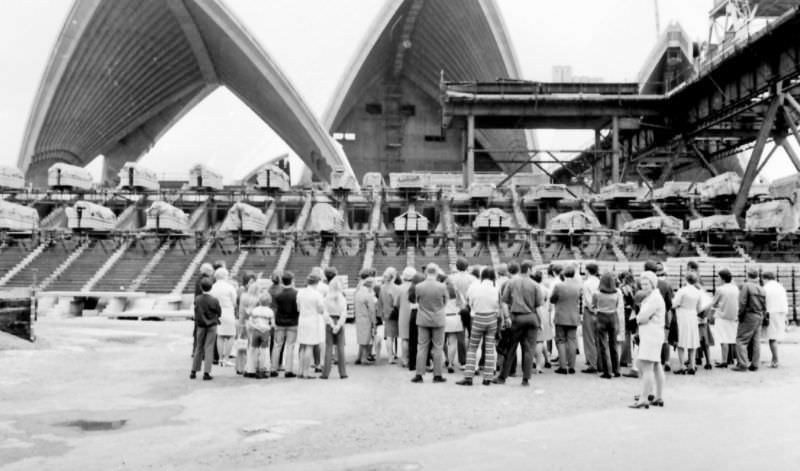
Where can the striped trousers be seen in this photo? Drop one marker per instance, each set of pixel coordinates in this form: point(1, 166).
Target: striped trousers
point(484, 328)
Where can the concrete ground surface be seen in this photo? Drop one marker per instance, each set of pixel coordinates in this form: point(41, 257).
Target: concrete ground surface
point(102, 394)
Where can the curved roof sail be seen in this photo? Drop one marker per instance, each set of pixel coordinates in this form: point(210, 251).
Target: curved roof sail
point(123, 72)
point(386, 108)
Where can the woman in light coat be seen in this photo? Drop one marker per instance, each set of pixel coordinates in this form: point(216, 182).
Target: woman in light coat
point(226, 294)
point(651, 337)
point(365, 307)
point(687, 303)
point(777, 306)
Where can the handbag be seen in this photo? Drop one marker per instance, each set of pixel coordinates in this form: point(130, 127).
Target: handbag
point(394, 314)
point(765, 321)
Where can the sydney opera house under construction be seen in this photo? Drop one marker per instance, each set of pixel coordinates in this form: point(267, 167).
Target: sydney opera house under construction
point(426, 153)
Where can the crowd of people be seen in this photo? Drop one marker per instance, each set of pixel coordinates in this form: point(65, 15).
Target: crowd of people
point(476, 319)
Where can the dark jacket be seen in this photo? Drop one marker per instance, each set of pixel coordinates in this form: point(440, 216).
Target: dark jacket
point(286, 313)
point(206, 310)
point(197, 289)
point(566, 300)
point(752, 300)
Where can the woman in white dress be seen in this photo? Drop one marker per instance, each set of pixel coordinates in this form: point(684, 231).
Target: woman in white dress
point(453, 324)
point(226, 294)
point(311, 307)
point(547, 332)
point(687, 302)
point(549, 283)
point(777, 308)
point(651, 338)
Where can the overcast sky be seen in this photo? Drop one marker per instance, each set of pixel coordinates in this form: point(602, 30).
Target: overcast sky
point(313, 40)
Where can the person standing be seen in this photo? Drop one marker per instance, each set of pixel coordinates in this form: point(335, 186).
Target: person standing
point(462, 279)
point(589, 320)
point(206, 318)
point(666, 292)
point(431, 297)
point(551, 280)
point(453, 325)
point(484, 301)
point(628, 290)
point(546, 333)
point(336, 317)
point(286, 320)
point(388, 308)
point(206, 271)
point(777, 310)
point(523, 298)
point(752, 308)
point(364, 306)
point(651, 340)
point(725, 317)
point(687, 304)
point(404, 314)
point(566, 300)
point(259, 324)
point(310, 307)
point(226, 294)
point(607, 303)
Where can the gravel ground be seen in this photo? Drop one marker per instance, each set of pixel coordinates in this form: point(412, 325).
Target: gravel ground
point(100, 394)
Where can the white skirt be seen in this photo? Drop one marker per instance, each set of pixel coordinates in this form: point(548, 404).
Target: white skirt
point(725, 331)
point(227, 324)
point(309, 331)
point(688, 332)
point(651, 338)
point(777, 326)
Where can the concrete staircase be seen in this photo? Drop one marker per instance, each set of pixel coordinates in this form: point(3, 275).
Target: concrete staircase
point(192, 268)
point(151, 265)
point(494, 253)
point(536, 253)
point(300, 224)
point(127, 219)
point(198, 220)
point(327, 253)
point(64, 265)
point(101, 272)
point(374, 226)
point(519, 216)
point(22, 264)
point(56, 218)
point(411, 255)
point(618, 252)
point(239, 263)
point(742, 253)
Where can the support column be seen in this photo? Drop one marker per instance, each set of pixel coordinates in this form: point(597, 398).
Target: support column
point(615, 150)
point(469, 168)
point(597, 168)
point(789, 149)
point(752, 165)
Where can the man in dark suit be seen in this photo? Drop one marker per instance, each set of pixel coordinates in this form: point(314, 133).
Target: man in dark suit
point(566, 300)
point(206, 316)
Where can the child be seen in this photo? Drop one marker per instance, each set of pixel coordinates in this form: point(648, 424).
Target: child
point(260, 324)
point(206, 316)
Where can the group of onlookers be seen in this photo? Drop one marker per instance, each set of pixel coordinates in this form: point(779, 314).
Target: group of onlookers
point(476, 319)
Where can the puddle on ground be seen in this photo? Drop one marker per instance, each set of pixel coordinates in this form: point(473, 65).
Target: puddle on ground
point(391, 466)
point(95, 425)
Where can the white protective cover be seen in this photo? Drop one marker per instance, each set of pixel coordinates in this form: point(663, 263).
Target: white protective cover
point(245, 217)
point(619, 191)
point(666, 225)
point(725, 184)
point(163, 216)
point(16, 217)
point(492, 218)
point(11, 178)
point(93, 217)
point(672, 190)
point(325, 218)
point(777, 215)
point(71, 176)
point(572, 221)
point(411, 221)
point(272, 177)
point(142, 177)
point(547, 192)
point(210, 178)
point(720, 222)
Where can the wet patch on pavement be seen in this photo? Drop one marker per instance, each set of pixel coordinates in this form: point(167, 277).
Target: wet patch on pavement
point(95, 425)
point(274, 431)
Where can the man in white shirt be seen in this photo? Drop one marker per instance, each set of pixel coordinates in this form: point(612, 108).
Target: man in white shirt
point(777, 309)
point(589, 323)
